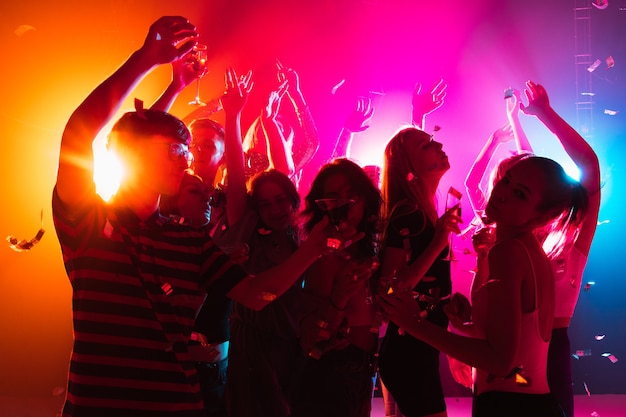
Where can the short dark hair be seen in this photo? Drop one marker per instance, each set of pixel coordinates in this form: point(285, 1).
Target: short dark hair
point(138, 125)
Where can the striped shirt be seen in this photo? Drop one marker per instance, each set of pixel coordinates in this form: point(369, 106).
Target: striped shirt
point(136, 289)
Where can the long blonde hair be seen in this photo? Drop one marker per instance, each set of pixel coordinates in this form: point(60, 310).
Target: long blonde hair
point(401, 185)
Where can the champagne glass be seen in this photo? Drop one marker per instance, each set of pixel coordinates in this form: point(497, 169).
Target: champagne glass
point(337, 210)
point(487, 224)
point(198, 62)
point(453, 198)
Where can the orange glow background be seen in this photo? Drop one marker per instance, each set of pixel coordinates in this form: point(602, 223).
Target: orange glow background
point(479, 47)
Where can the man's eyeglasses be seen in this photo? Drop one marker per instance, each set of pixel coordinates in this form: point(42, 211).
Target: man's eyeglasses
point(179, 150)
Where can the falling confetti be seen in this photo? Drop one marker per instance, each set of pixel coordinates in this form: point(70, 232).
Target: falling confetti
point(587, 389)
point(610, 62)
point(610, 112)
point(611, 357)
point(583, 352)
point(588, 286)
point(336, 87)
point(24, 245)
point(593, 66)
point(603, 222)
point(22, 29)
point(600, 336)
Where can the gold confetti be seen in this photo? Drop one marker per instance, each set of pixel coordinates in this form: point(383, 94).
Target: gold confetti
point(25, 245)
point(22, 29)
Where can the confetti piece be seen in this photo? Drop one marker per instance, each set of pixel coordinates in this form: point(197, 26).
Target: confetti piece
point(594, 414)
point(158, 36)
point(520, 380)
point(377, 93)
point(588, 94)
point(336, 87)
point(167, 288)
point(25, 245)
point(587, 389)
point(22, 29)
point(436, 128)
point(611, 112)
point(588, 285)
point(583, 352)
point(592, 67)
point(603, 222)
point(611, 357)
point(610, 62)
point(600, 336)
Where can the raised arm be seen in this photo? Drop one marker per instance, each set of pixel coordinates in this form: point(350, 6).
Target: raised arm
point(306, 144)
point(168, 38)
point(356, 122)
point(475, 177)
point(426, 103)
point(578, 149)
point(513, 105)
point(233, 101)
point(183, 74)
point(278, 150)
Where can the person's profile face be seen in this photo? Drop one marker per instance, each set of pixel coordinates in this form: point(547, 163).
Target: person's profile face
point(426, 155)
point(515, 198)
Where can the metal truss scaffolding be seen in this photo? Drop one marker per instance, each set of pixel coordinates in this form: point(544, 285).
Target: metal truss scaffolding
point(583, 62)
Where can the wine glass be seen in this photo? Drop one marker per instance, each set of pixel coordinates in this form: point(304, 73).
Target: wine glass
point(453, 198)
point(487, 224)
point(337, 210)
point(198, 61)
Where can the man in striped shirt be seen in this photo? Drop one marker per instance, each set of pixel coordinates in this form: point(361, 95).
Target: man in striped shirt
point(138, 278)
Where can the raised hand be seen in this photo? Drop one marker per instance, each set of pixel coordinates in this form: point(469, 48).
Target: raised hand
point(503, 134)
point(357, 119)
point(237, 90)
point(291, 76)
point(184, 74)
point(513, 104)
point(168, 39)
point(270, 111)
point(426, 103)
point(537, 97)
